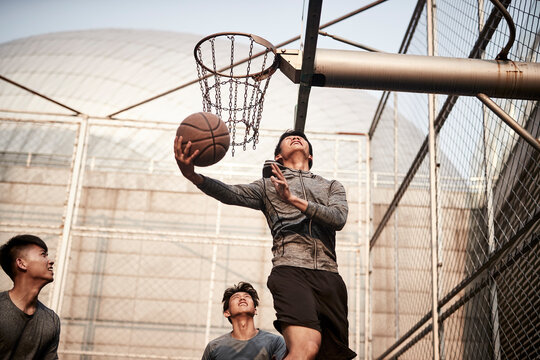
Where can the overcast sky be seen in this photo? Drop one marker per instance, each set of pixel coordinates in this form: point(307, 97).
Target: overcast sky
point(381, 27)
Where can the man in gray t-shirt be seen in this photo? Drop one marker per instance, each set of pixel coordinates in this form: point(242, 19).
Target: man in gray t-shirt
point(28, 329)
point(245, 341)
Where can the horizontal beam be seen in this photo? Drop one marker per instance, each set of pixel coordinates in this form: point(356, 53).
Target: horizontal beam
point(415, 73)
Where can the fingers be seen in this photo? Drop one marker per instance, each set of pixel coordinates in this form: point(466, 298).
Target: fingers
point(184, 155)
point(277, 172)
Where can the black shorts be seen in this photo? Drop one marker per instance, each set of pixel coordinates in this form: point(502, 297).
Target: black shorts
point(316, 299)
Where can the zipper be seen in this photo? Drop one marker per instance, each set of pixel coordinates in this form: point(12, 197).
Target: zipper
point(310, 220)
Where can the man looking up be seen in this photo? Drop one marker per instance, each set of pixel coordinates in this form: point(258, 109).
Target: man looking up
point(245, 341)
point(28, 329)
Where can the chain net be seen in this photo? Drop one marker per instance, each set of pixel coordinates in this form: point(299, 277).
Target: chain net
point(235, 89)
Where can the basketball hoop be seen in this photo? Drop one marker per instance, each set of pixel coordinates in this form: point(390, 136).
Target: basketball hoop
point(236, 88)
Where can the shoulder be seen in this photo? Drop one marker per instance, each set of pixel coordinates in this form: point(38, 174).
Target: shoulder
point(213, 345)
point(268, 336)
point(334, 184)
point(48, 313)
point(4, 302)
point(223, 339)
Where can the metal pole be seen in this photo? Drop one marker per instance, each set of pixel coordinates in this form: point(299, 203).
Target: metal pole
point(367, 256)
point(418, 74)
point(509, 121)
point(433, 194)
point(62, 256)
point(212, 277)
point(490, 213)
point(308, 56)
point(358, 253)
point(396, 236)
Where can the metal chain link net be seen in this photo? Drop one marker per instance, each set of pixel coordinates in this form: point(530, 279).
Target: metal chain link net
point(246, 73)
point(488, 206)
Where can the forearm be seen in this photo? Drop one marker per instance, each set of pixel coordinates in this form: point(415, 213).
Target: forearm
point(247, 195)
point(333, 216)
point(298, 203)
point(195, 178)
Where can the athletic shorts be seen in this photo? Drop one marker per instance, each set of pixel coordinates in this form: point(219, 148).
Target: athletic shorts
point(316, 299)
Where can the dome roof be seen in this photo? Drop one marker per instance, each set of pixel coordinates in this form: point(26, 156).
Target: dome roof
point(99, 72)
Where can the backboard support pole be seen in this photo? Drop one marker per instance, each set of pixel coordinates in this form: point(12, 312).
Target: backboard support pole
point(308, 59)
point(415, 73)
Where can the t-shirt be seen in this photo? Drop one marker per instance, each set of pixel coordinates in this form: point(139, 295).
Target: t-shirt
point(263, 346)
point(24, 336)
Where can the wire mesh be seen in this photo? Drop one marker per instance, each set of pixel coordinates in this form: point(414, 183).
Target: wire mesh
point(488, 206)
point(150, 254)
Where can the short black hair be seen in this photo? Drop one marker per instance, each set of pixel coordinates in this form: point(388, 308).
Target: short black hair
point(240, 287)
point(10, 250)
point(294, 133)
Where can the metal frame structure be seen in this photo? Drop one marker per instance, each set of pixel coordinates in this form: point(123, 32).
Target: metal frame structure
point(389, 72)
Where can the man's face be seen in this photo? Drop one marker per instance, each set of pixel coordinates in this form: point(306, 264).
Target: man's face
point(241, 303)
point(37, 263)
point(293, 143)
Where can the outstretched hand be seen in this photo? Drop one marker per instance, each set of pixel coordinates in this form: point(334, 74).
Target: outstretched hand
point(282, 188)
point(280, 183)
point(184, 158)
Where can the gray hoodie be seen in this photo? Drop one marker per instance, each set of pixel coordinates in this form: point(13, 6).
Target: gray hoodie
point(302, 239)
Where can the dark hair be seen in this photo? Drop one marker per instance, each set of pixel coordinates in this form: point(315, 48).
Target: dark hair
point(10, 250)
point(240, 287)
point(294, 133)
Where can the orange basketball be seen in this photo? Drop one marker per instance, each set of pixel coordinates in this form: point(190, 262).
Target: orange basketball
point(208, 134)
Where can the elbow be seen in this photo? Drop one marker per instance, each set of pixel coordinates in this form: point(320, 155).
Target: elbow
point(340, 225)
point(341, 220)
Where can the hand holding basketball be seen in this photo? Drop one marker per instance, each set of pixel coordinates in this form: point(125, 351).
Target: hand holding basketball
point(202, 139)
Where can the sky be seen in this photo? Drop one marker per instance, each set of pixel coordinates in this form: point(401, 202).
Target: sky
point(381, 27)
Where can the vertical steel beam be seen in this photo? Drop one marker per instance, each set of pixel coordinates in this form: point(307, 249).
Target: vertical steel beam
point(358, 252)
point(367, 256)
point(64, 248)
point(212, 277)
point(308, 60)
point(433, 193)
point(396, 235)
point(490, 212)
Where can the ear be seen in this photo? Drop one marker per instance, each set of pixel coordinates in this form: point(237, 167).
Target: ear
point(279, 158)
point(227, 314)
point(20, 264)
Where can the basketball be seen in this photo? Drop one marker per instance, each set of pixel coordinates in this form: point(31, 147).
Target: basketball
point(208, 134)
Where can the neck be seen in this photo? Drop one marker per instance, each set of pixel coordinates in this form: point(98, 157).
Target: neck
point(243, 328)
point(24, 295)
point(297, 161)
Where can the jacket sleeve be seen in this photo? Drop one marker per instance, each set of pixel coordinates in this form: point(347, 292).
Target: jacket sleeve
point(333, 215)
point(247, 195)
point(52, 350)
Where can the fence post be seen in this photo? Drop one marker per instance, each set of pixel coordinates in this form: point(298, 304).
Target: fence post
point(64, 248)
point(433, 191)
point(367, 255)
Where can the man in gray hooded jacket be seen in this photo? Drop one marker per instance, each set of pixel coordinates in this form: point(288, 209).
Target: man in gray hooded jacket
point(303, 211)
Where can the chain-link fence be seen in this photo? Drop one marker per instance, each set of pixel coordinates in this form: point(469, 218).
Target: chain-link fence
point(484, 277)
point(142, 256)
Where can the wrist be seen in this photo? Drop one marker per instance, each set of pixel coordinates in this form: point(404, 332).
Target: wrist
point(194, 178)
